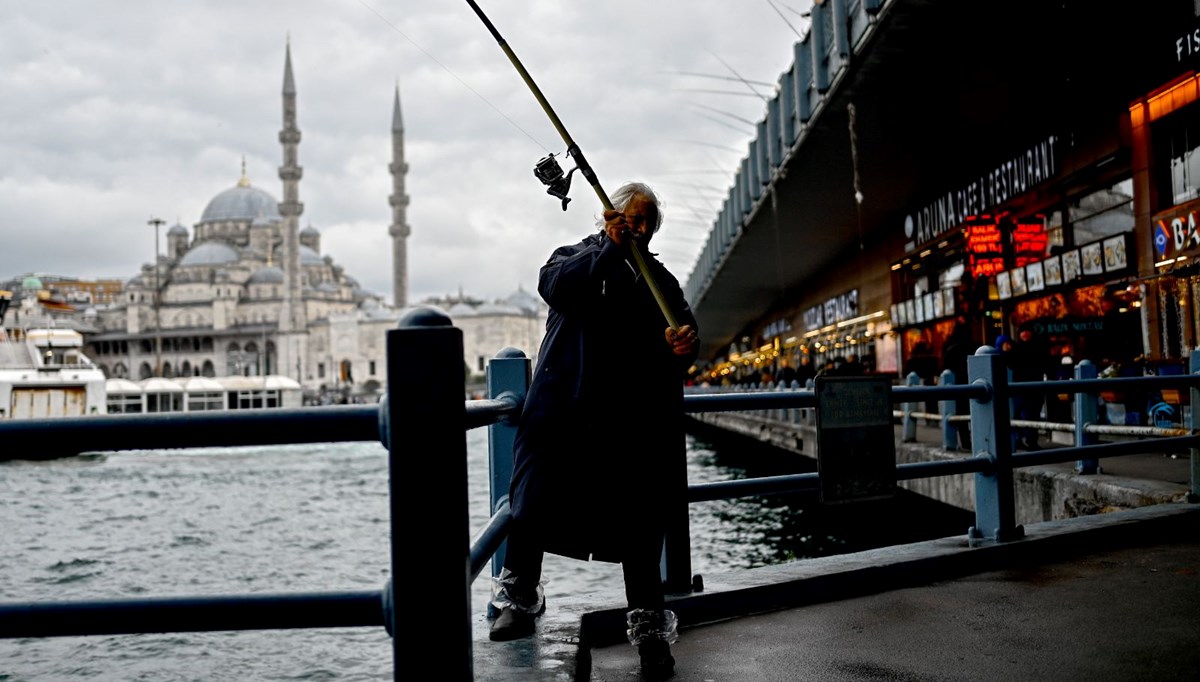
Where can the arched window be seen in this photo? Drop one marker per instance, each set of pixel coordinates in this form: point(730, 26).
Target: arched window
point(209, 370)
point(185, 369)
point(120, 371)
point(168, 371)
point(145, 371)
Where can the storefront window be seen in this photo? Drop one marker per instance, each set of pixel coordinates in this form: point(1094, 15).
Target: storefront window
point(1177, 138)
point(1103, 213)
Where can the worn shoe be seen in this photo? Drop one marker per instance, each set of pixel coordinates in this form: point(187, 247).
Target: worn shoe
point(513, 623)
point(657, 661)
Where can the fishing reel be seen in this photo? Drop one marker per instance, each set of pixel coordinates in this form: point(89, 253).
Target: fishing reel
point(551, 174)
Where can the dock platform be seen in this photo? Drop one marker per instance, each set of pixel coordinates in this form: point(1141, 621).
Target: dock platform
point(1112, 596)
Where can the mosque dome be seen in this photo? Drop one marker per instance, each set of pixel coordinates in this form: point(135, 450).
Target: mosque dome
point(268, 274)
point(310, 231)
point(242, 202)
point(210, 253)
point(310, 257)
point(524, 300)
point(177, 230)
point(460, 309)
point(31, 283)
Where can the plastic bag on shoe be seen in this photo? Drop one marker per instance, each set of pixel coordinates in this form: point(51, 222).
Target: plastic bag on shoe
point(507, 593)
point(644, 625)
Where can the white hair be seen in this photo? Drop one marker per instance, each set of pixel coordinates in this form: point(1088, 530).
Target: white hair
point(621, 197)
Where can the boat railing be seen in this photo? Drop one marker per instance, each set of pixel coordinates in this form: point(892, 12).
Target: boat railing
point(431, 545)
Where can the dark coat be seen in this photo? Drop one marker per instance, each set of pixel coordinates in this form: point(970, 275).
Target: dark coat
point(600, 447)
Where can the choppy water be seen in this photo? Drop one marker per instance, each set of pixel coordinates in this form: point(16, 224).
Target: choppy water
point(313, 518)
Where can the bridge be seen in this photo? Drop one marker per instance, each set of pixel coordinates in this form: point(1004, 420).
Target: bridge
point(425, 412)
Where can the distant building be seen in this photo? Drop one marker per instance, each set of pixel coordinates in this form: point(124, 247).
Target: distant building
point(246, 292)
point(517, 321)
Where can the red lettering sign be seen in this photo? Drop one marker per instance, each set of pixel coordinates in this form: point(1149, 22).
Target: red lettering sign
point(1030, 242)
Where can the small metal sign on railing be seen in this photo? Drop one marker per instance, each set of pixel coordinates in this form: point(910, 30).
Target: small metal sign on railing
point(856, 443)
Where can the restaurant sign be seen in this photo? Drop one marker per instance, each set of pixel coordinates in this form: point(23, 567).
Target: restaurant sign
point(1006, 181)
point(837, 309)
point(1175, 230)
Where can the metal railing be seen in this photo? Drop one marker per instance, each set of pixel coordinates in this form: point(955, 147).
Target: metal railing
point(424, 412)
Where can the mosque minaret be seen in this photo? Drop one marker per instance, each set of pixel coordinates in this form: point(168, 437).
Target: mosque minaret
point(399, 201)
point(292, 318)
point(250, 294)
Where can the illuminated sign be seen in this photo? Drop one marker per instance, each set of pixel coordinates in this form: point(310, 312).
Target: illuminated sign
point(836, 309)
point(1175, 230)
point(985, 246)
point(1030, 242)
point(1015, 176)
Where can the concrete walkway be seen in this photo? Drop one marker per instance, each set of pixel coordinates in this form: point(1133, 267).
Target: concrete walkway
point(1114, 596)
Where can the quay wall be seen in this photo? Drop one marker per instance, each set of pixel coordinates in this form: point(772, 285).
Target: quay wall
point(1043, 493)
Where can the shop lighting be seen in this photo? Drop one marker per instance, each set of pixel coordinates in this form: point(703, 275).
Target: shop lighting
point(1164, 263)
point(942, 245)
point(860, 318)
point(813, 333)
point(926, 252)
point(1181, 259)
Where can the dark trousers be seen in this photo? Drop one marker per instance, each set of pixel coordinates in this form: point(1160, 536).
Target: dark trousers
point(1028, 408)
point(643, 580)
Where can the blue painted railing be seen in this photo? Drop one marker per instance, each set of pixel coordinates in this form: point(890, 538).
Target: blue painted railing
point(424, 411)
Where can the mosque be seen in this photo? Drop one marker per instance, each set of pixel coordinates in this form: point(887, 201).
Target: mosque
point(248, 292)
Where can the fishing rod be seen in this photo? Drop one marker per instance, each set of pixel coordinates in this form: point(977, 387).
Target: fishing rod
point(550, 172)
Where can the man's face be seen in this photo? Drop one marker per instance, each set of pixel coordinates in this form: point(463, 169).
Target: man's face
point(642, 216)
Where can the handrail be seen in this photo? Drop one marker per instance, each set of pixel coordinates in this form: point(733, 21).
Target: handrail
point(426, 406)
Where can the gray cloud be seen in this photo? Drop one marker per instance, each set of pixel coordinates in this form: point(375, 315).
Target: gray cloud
point(116, 112)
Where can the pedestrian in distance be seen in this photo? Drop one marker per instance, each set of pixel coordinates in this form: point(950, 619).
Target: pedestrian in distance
point(599, 455)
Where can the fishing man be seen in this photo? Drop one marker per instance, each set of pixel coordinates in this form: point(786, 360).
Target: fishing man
point(600, 451)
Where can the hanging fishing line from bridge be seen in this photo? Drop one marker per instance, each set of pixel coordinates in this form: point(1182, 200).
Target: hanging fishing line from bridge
point(456, 77)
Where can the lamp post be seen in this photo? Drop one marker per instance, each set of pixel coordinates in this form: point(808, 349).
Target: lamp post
point(157, 223)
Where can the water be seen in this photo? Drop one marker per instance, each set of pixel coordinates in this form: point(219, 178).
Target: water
point(314, 518)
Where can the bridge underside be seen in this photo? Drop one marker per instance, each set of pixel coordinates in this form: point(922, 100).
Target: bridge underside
point(941, 91)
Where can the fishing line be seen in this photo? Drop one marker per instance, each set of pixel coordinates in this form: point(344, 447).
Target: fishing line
point(447, 70)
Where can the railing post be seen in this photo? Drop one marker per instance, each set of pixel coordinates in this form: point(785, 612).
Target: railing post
point(675, 563)
point(430, 533)
point(949, 429)
point(808, 414)
point(1087, 412)
point(507, 375)
point(910, 424)
point(1194, 402)
point(991, 433)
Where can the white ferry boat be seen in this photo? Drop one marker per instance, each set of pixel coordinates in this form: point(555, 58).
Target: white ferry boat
point(44, 373)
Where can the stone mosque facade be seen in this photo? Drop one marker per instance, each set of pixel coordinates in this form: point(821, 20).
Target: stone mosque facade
point(247, 292)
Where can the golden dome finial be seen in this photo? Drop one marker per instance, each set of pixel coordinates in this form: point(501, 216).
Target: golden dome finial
point(244, 181)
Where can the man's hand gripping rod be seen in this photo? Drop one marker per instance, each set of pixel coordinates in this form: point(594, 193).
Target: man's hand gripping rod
point(582, 164)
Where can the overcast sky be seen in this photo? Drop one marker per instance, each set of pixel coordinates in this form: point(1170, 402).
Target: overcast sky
point(111, 113)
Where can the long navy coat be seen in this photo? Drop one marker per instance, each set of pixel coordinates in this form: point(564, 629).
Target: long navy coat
point(600, 450)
